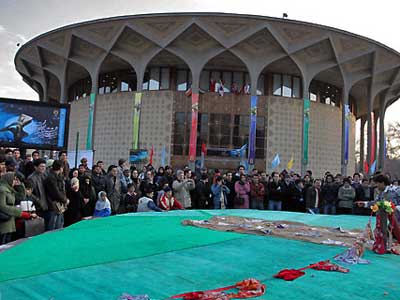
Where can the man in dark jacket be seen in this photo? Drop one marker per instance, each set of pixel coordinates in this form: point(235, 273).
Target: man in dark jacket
point(274, 193)
point(98, 179)
point(313, 197)
point(202, 193)
point(113, 189)
point(56, 197)
point(329, 193)
point(36, 179)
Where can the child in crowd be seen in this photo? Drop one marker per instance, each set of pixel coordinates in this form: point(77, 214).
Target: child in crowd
point(103, 206)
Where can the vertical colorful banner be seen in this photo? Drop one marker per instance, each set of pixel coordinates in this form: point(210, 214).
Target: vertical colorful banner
point(346, 132)
point(163, 156)
point(306, 125)
point(253, 129)
point(136, 118)
point(193, 130)
point(89, 138)
point(373, 140)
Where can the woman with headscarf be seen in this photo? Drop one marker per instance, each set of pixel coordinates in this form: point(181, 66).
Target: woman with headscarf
point(73, 213)
point(103, 206)
point(89, 196)
point(7, 206)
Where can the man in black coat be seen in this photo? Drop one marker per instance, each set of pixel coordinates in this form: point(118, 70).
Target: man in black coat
point(56, 197)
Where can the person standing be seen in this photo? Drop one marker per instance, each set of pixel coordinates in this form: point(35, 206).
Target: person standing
point(274, 193)
point(182, 187)
point(74, 212)
point(329, 192)
point(62, 156)
point(36, 180)
point(57, 201)
point(113, 188)
point(346, 197)
point(7, 206)
point(257, 193)
point(242, 189)
point(219, 192)
point(313, 198)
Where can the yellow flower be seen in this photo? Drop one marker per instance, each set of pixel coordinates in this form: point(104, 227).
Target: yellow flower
point(374, 208)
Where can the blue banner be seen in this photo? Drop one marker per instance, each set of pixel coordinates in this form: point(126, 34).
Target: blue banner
point(346, 132)
point(253, 127)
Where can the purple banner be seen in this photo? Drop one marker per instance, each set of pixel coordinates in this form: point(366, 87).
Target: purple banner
point(253, 127)
point(346, 132)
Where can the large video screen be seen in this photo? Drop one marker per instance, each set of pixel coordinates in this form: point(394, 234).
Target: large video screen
point(31, 124)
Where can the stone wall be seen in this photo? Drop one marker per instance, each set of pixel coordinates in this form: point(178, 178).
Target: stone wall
point(284, 131)
point(113, 126)
point(78, 122)
point(156, 123)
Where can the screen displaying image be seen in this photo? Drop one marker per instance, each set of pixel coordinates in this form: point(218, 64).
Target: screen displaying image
point(32, 124)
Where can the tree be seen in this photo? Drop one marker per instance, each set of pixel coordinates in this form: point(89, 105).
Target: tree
point(393, 140)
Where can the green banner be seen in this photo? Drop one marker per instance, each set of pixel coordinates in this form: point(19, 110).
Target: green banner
point(306, 125)
point(136, 118)
point(89, 138)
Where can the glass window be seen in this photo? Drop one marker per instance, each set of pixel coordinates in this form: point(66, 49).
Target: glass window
point(296, 87)
point(164, 79)
point(182, 80)
point(124, 86)
point(154, 83)
point(238, 79)
point(287, 86)
point(277, 85)
point(227, 80)
point(260, 85)
point(205, 80)
point(146, 78)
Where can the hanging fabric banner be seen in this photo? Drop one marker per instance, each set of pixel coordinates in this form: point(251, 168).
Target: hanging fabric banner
point(193, 130)
point(136, 118)
point(203, 155)
point(89, 138)
point(306, 125)
point(253, 127)
point(373, 140)
point(346, 132)
point(163, 156)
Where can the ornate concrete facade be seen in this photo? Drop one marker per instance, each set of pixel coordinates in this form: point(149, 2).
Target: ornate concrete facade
point(367, 72)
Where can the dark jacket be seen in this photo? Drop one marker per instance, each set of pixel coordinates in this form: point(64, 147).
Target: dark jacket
point(297, 202)
point(37, 181)
point(311, 197)
point(98, 182)
point(74, 212)
point(202, 196)
point(55, 190)
point(329, 193)
point(113, 190)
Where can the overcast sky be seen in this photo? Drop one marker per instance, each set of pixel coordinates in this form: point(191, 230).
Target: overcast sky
point(21, 20)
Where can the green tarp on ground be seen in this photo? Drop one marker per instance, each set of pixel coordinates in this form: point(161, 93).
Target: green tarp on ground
point(153, 254)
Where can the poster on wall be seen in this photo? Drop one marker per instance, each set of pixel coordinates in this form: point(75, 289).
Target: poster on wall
point(33, 124)
point(138, 156)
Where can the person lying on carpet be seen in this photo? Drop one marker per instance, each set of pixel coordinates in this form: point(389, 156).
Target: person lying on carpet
point(169, 202)
point(146, 202)
point(103, 206)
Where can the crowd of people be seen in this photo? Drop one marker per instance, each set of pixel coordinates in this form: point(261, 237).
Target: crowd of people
point(62, 195)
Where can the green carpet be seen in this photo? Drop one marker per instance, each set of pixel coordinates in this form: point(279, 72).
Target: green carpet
point(153, 254)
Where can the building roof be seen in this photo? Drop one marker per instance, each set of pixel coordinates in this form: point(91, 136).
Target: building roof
point(56, 59)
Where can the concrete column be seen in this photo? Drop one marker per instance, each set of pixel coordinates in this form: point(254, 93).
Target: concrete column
point(363, 120)
point(381, 152)
point(64, 86)
point(375, 141)
point(345, 132)
point(370, 131)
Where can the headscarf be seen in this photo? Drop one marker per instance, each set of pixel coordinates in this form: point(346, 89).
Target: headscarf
point(100, 204)
point(8, 178)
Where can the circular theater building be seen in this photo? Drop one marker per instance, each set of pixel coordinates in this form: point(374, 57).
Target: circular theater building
point(178, 81)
